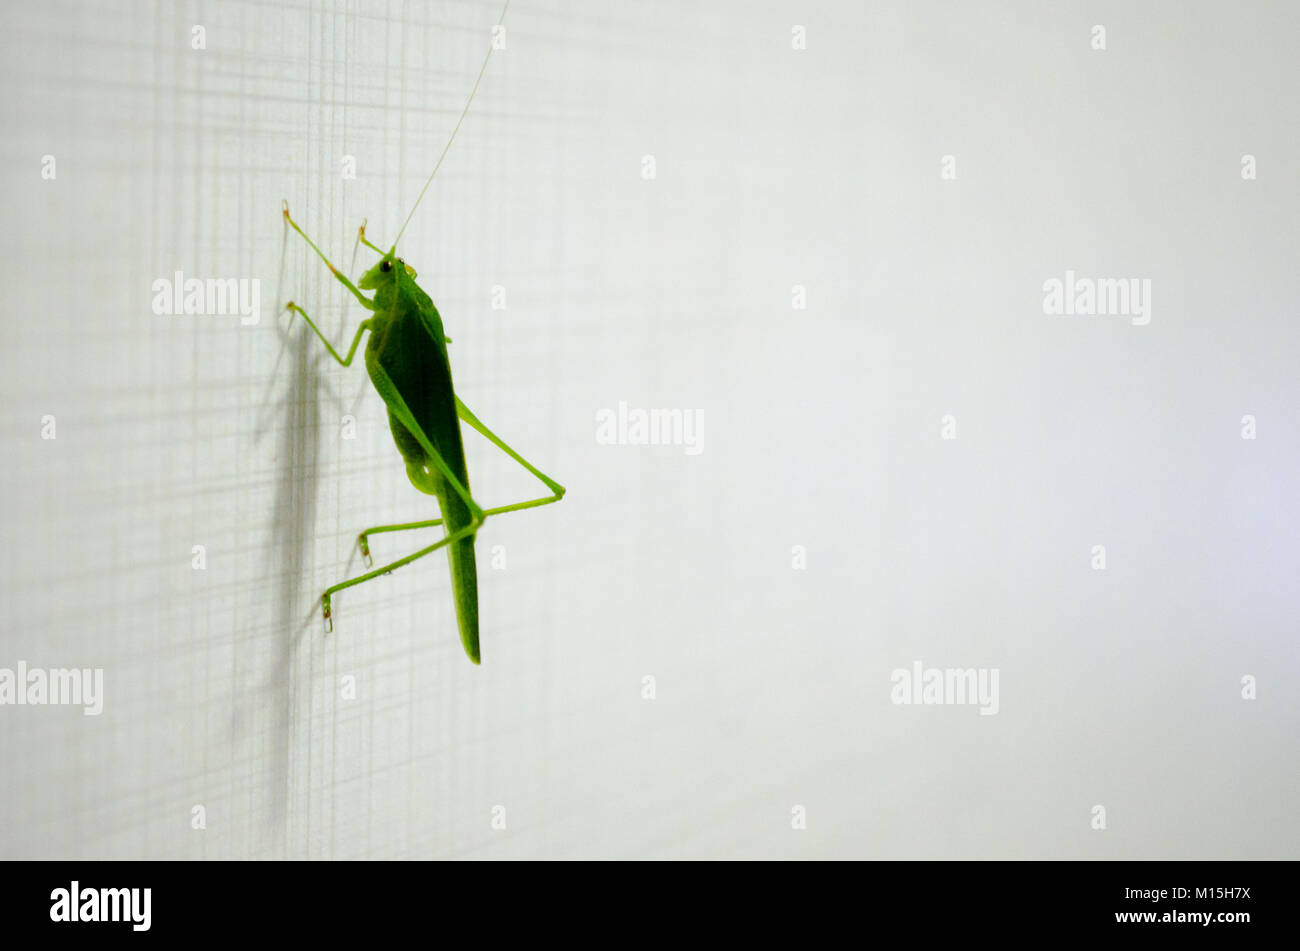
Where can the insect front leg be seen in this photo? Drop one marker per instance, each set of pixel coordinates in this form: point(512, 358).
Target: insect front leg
point(366, 302)
point(361, 236)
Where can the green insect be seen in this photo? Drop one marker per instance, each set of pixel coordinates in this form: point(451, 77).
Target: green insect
point(406, 358)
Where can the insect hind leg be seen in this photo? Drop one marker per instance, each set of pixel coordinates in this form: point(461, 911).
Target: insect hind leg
point(557, 490)
point(363, 540)
point(423, 480)
point(327, 597)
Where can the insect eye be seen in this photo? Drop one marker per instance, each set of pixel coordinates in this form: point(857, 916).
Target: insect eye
point(386, 266)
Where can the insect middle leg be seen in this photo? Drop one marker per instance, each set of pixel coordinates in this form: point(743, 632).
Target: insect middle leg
point(346, 361)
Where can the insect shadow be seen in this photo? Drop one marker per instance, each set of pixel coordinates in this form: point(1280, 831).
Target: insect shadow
point(293, 533)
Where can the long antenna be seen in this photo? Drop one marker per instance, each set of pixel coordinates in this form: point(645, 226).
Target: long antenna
point(463, 113)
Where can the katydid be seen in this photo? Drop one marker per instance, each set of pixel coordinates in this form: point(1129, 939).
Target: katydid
point(406, 358)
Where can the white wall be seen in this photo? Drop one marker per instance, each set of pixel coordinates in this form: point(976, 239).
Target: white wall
point(821, 428)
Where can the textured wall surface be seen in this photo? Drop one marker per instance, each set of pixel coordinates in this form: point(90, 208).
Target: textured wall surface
point(830, 250)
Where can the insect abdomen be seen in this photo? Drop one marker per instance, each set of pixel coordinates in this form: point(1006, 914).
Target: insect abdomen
point(464, 576)
point(415, 364)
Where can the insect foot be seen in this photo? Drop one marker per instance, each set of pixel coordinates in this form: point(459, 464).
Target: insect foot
point(325, 606)
point(365, 551)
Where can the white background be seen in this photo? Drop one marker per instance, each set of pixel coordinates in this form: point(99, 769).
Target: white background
point(821, 428)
